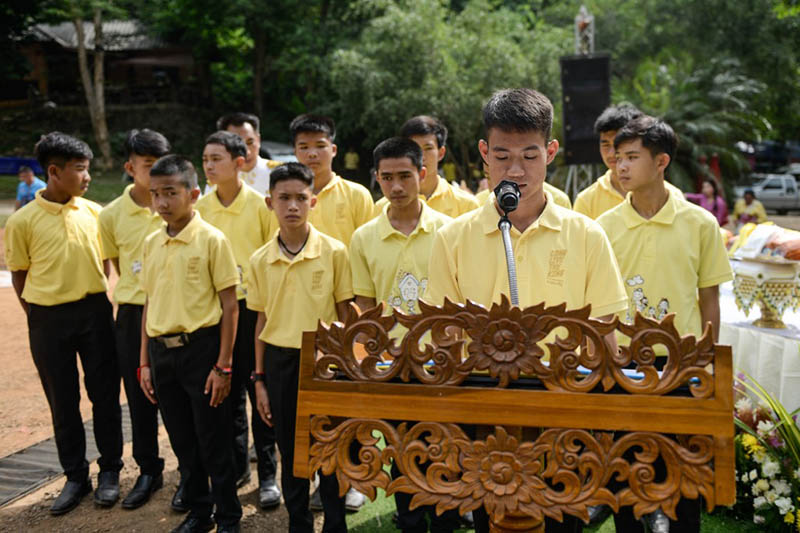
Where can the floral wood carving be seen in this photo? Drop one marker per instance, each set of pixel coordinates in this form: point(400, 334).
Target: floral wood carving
point(562, 471)
point(507, 342)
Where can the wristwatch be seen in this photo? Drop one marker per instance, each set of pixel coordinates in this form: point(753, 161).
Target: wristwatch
point(256, 376)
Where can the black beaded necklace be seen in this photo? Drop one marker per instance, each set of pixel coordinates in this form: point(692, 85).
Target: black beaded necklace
point(286, 248)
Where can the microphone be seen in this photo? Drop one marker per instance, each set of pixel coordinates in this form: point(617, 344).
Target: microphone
point(507, 194)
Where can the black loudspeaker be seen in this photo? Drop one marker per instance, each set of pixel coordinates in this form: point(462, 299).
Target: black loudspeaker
point(586, 93)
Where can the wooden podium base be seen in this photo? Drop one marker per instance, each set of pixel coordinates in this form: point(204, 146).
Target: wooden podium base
point(516, 524)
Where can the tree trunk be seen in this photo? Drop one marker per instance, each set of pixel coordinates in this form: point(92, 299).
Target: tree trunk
point(259, 53)
point(94, 90)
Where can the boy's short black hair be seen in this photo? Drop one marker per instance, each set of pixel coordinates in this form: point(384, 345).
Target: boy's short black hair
point(656, 135)
point(308, 123)
point(230, 141)
point(396, 148)
point(146, 142)
point(291, 171)
point(24, 169)
point(519, 110)
point(238, 119)
point(614, 117)
point(57, 148)
point(176, 165)
point(425, 125)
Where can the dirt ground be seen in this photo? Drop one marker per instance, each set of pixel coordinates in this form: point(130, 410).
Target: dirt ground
point(25, 420)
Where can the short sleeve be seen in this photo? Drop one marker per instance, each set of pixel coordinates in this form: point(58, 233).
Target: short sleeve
point(562, 199)
point(255, 297)
point(20, 191)
point(224, 273)
point(363, 284)
point(342, 277)
point(714, 266)
point(17, 250)
point(604, 288)
point(442, 281)
point(364, 207)
point(108, 241)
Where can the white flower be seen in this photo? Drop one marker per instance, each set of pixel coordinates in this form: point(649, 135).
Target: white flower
point(759, 502)
point(784, 505)
point(797, 474)
point(770, 496)
point(744, 405)
point(765, 427)
point(744, 477)
point(754, 474)
point(770, 468)
point(762, 485)
point(781, 487)
point(757, 519)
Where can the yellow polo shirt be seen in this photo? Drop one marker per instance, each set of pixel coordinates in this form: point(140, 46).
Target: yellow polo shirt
point(182, 276)
point(755, 212)
point(124, 225)
point(295, 294)
point(448, 199)
point(342, 206)
point(390, 266)
point(561, 257)
point(559, 196)
point(59, 246)
point(665, 259)
point(601, 196)
point(247, 223)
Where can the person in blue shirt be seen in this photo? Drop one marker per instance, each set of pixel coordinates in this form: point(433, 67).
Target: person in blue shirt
point(28, 185)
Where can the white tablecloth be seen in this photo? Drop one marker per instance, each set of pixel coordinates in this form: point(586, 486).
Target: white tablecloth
point(771, 356)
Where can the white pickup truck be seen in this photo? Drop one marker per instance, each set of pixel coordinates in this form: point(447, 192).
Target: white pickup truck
point(778, 192)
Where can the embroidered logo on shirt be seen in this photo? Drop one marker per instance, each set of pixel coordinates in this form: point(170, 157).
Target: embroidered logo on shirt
point(341, 210)
point(555, 273)
point(316, 280)
point(640, 303)
point(193, 269)
point(411, 289)
point(136, 266)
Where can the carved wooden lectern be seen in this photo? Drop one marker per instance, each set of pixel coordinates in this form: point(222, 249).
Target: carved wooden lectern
point(612, 436)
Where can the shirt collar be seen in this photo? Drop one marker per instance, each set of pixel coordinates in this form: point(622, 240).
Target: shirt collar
point(186, 235)
point(550, 217)
point(311, 250)
point(132, 207)
point(54, 208)
point(605, 182)
point(441, 189)
point(236, 206)
point(665, 215)
point(385, 228)
point(335, 179)
point(260, 163)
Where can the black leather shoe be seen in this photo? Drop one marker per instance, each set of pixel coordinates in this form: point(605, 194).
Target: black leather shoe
point(229, 529)
point(269, 495)
point(193, 524)
point(178, 503)
point(71, 495)
point(145, 486)
point(107, 492)
point(243, 480)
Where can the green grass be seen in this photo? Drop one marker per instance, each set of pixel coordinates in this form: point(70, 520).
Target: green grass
point(105, 187)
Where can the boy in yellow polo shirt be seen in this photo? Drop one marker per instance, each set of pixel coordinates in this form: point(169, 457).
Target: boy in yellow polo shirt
point(431, 136)
point(389, 258)
point(298, 278)
point(189, 326)
point(342, 205)
point(669, 252)
point(562, 257)
point(242, 215)
point(124, 225)
point(52, 248)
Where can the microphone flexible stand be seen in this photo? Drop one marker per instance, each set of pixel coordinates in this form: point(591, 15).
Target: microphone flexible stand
point(505, 230)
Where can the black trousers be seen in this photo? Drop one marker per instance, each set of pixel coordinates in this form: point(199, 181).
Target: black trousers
point(56, 333)
point(281, 366)
point(241, 387)
point(413, 521)
point(144, 415)
point(200, 434)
